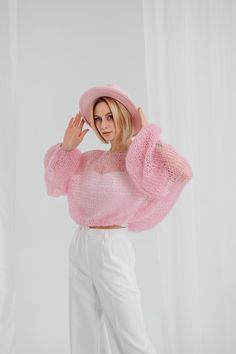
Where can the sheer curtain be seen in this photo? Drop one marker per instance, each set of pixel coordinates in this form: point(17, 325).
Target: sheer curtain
point(189, 48)
point(7, 176)
point(190, 55)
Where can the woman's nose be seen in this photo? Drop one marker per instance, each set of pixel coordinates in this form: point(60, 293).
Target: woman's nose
point(104, 124)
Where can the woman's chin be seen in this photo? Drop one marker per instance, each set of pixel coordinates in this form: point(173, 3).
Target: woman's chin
point(110, 138)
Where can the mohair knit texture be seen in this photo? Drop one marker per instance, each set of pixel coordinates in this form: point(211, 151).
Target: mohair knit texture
point(137, 188)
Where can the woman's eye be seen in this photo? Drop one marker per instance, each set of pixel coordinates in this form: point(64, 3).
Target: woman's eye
point(111, 116)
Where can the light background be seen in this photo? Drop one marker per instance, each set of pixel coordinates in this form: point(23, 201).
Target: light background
point(64, 48)
point(176, 59)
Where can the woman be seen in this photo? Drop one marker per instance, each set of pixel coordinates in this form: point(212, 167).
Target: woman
point(130, 187)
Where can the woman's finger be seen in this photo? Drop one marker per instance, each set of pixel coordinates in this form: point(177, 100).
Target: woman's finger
point(71, 122)
point(143, 118)
point(74, 121)
point(82, 121)
point(78, 117)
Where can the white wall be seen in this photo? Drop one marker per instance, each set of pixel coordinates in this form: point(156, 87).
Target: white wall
point(63, 47)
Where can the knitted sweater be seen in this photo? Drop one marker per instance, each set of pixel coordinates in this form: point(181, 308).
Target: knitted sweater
point(137, 188)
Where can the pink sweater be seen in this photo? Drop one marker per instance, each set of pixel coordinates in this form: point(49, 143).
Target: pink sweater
point(137, 188)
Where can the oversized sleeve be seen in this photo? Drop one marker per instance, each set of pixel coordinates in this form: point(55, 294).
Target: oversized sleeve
point(155, 167)
point(59, 166)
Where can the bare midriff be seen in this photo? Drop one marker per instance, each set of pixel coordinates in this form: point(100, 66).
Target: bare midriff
point(107, 227)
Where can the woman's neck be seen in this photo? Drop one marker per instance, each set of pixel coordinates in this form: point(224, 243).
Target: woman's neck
point(119, 148)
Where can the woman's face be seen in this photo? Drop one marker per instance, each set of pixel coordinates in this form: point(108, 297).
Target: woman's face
point(104, 122)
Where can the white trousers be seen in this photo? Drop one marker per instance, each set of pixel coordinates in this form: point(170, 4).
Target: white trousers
point(105, 312)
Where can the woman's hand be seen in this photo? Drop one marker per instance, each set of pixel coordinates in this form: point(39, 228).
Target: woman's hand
point(142, 116)
point(143, 119)
point(74, 135)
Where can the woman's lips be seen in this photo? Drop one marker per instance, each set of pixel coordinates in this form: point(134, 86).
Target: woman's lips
point(106, 133)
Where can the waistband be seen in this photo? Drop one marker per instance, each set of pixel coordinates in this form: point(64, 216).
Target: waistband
point(103, 232)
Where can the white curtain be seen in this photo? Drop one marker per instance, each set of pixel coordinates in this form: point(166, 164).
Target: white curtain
point(190, 49)
point(7, 176)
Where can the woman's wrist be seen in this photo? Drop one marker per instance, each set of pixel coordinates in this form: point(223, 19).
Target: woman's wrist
point(65, 148)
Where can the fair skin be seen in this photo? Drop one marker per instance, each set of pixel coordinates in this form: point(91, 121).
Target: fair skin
point(104, 122)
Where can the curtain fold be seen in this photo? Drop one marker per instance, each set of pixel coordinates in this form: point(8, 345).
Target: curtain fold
point(190, 54)
point(7, 176)
point(190, 51)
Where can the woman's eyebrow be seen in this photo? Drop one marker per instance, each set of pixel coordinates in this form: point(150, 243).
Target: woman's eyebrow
point(100, 116)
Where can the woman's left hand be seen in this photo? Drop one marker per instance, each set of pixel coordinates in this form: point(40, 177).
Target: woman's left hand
point(142, 117)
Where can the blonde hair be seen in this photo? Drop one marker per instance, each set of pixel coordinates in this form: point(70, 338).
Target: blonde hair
point(121, 117)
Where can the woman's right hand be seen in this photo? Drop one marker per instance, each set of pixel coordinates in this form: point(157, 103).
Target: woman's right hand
point(74, 135)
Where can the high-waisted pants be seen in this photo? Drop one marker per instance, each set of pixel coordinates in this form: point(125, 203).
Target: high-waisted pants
point(105, 312)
